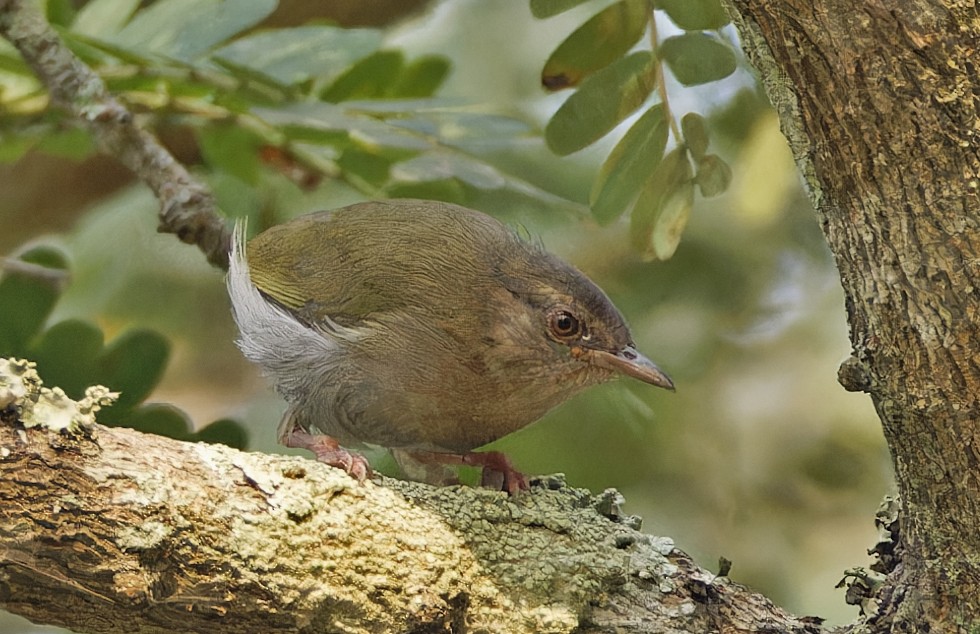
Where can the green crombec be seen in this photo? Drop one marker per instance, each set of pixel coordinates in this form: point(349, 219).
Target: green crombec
point(420, 326)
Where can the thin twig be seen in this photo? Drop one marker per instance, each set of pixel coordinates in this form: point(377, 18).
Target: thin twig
point(661, 82)
point(187, 207)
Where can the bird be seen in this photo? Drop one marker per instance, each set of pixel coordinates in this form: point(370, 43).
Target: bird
point(423, 327)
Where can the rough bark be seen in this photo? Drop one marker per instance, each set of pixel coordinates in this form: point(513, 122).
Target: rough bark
point(111, 530)
point(880, 103)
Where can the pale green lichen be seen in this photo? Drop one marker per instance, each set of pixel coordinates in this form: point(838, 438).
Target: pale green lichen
point(54, 410)
point(368, 554)
point(38, 406)
point(549, 549)
point(19, 381)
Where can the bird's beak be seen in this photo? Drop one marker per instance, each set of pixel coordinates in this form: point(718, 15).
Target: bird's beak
point(631, 363)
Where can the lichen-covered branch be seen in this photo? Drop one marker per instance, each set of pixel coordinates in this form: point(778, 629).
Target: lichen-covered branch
point(111, 530)
point(187, 207)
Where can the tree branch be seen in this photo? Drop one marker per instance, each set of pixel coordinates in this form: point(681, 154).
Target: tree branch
point(111, 530)
point(187, 207)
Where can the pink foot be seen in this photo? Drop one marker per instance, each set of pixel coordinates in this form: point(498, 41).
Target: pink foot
point(328, 451)
point(498, 472)
point(495, 464)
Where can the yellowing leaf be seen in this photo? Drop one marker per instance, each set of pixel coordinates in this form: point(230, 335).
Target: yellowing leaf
point(673, 217)
point(658, 217)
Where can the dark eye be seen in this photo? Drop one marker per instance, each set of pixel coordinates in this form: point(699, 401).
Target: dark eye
point(564, 325)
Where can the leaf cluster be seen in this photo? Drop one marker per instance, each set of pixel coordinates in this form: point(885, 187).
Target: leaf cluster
point(613, 79)
point(73, 354)
point(308, 102)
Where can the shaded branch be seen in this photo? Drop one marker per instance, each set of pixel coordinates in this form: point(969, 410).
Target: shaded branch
point(112, 530)
point(187, 207)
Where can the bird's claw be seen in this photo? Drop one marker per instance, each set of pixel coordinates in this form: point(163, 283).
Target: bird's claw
point(498, 473)
point(328, 451)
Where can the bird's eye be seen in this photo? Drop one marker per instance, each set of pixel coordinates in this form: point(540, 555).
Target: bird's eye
point(564, 325)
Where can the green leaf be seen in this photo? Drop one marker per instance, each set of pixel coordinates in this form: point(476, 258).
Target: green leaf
point(449, 190)
point(94, 51)
point(604, 38)
point(695, 15)
point(133, 365)
point(318, 122)
point(156, 418)
point(12, 62)
point(186, 29)
point(231, 148)
point(59, 12)
point(225, 431)
point(367, 168)
point(26, 301)
point(671, 180)
point(696, 58)
point(102, 18)
point(695, 134)
point(433, 166)
point(251, 78)
point(369, 78)
point(401, 108)
point(421, 78)
point(630, 163)
point(602, 101)
point(66, 355)
point(295, 55)
point(713, 175)
point(461, 128)
point(547, 8)
point(445, 166)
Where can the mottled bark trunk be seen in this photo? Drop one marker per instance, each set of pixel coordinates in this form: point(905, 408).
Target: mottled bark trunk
point(880, 103)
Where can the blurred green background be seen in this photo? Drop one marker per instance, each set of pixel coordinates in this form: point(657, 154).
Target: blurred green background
point(760, 456)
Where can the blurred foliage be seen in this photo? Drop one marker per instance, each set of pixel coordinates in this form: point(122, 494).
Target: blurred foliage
point(759, 456)
point(311, 101)
point(71, 353)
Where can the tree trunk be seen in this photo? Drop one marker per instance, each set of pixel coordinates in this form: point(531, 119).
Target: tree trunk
point(880, 103)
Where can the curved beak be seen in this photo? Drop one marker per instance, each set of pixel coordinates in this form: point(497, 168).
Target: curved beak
point(630, 362)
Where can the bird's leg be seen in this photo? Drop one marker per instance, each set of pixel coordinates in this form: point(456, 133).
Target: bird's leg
point(496, 467)
point(326, 449)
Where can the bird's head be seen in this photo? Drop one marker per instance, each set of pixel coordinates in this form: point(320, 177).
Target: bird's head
point(556, 308)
